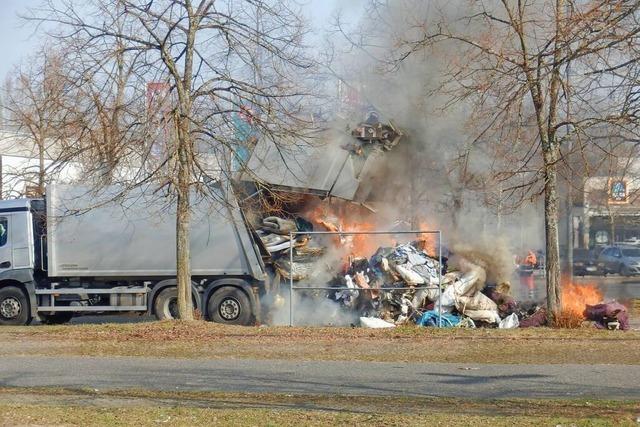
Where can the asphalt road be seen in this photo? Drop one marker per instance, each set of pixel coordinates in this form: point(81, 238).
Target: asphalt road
point(357, 378)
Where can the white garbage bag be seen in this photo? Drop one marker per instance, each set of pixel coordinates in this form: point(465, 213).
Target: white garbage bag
point(447, 300)
point(479, 307)
point(478, 301)
point(421, 297)
point(489, 316)
point(375, 323)
point(409, 276)
point(509, 322)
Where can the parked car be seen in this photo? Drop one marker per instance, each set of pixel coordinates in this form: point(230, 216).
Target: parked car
point(624, 260)
point(633, 241)
point(585, 262)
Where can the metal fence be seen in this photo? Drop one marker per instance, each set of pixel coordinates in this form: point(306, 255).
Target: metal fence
point(293, 288)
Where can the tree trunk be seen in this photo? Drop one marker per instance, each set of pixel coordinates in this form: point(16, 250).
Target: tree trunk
point(183, 256)
point(551, 232)
point(612, 228)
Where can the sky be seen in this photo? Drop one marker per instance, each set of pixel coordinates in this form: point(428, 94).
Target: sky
point(18, 40)
point(15, 38)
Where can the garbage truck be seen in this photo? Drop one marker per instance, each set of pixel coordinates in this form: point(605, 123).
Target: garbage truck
point(79, 250)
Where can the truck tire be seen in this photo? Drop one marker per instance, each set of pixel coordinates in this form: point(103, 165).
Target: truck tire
point(58, 318)
point(165, 305)
point(14, 307)
point(231, 306)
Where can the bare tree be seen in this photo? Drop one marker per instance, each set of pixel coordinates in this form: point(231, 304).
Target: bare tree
point(35, 95)
point(217, 59)
point(508, 63)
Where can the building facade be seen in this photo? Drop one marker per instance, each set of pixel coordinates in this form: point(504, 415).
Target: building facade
point(20, 166)
point(610, 212)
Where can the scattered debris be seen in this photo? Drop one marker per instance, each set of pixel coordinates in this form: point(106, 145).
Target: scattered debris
point(535, 319)
point(610, 315)
point(402, 283)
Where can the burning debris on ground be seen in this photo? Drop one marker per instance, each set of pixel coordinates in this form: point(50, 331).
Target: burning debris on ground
point(404, 282)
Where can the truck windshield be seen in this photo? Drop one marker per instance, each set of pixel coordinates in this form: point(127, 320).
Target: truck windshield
point(634, 253)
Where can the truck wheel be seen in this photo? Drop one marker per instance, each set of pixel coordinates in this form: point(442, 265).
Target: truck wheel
point(166, 304)
point(231, 306)
point(14, 307)
point(56, 318)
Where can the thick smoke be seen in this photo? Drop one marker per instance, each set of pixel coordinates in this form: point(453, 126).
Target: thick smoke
point(423, 180)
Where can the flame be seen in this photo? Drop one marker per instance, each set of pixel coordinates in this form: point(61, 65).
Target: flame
point(428, 240)
point(348, 217)
point(575, 297)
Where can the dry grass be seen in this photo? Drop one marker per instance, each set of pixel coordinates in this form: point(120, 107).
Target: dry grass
point(212, 341)
point(47, 415)
point(141, 407)
point(568, 319)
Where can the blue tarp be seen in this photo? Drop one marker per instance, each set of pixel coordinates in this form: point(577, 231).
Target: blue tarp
point(430, 318)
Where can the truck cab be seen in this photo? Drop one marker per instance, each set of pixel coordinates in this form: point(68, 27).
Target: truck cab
point(20, 257)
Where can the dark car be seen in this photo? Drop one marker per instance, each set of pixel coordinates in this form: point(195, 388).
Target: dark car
point(585, 262)
point(620, 259)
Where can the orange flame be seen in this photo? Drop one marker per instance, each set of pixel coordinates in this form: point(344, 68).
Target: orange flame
point(429, 240)
point(342, 217)
point(349, 217)
point(575, 298)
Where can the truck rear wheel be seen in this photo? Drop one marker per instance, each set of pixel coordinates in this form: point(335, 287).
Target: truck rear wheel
point(231, 306)
point(166, 304)
point(14, 307)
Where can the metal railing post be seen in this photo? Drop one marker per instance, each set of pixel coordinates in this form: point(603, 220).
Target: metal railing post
point(291, 278)
point(439, 279)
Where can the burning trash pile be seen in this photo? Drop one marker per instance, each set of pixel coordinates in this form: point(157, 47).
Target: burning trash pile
point(399, 283)
point(404, 283)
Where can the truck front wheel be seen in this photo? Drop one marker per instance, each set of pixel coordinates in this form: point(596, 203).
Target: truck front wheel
point(14, 307)
point(230, 305)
